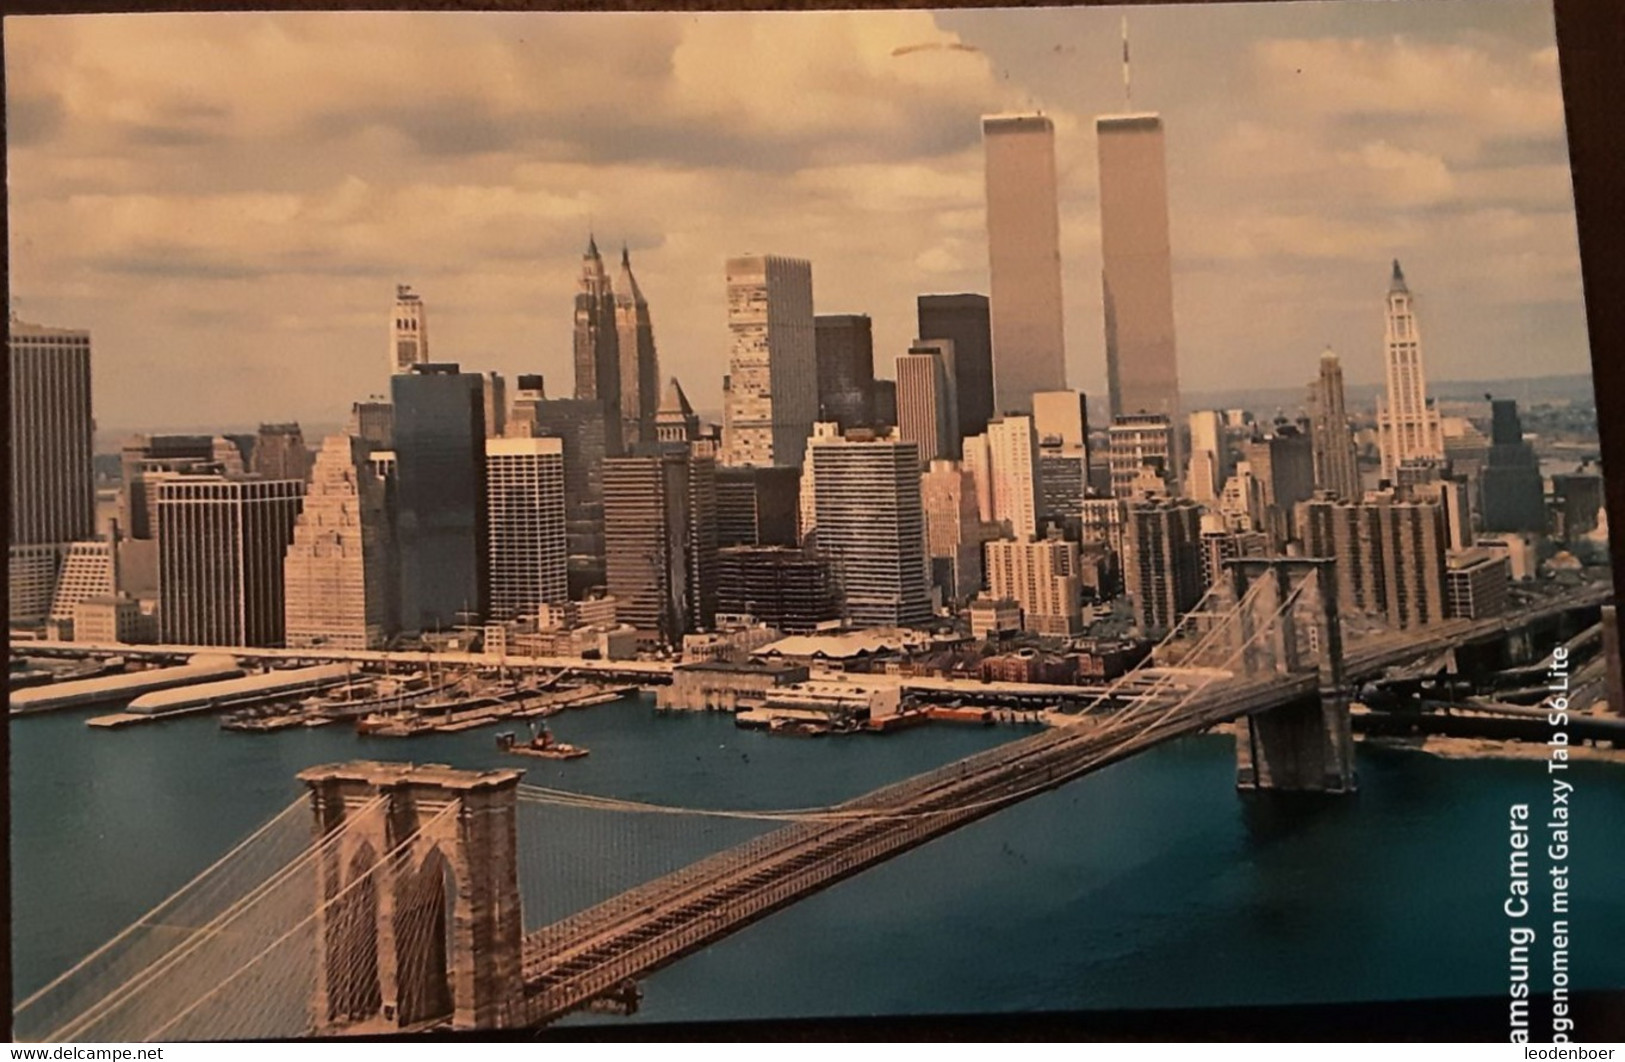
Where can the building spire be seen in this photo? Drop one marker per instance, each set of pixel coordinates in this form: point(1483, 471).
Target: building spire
point(1398, 281)
point(592, 244)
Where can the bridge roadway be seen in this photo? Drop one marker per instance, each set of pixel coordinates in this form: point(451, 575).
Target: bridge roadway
point(575, 960)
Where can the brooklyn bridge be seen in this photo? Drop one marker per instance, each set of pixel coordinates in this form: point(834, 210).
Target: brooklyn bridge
point(388, 897)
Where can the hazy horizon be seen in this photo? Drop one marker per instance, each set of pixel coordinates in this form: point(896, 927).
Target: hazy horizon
point(226, 200)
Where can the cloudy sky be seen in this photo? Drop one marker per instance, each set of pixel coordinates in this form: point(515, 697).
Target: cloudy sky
point(227, 200)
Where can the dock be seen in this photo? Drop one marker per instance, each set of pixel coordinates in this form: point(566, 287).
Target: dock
point(490, 710)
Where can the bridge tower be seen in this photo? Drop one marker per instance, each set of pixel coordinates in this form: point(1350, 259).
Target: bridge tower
point(418, 913)
point(1305, 745)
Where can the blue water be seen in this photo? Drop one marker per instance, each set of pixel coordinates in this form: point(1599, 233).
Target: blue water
point(1151, 883)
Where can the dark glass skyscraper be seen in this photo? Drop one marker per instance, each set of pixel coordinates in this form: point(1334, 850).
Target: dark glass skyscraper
point(964, 319)
point(1513, 491)
point(757, 506)
point(846, 369)
point(440, 495)
point(661, 538)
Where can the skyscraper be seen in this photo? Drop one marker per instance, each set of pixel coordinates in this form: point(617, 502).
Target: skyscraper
point(525, 504)
point(597, 344)
point(1407, 423)
point(408, 331)
point(221, 543)
point(339, 575)
point(1013, 472)
point(530, 390)
point(582, 425)
point(926, 408)
point(661, 542)
point(280, 453)
point(1206, 471)
point(770, 395)
point(1040, 576)
point(53, 490)
point(640, 365)
point(787, 589)
point(871, 528)
point(1062, 417)
point(1512, 487)
point(1284, 463)
point(953, 529)
point(494, 396)
point(1139, 443)
point(846, 369)
point(1024, 259)
point(1142, 370)
point(965, 320)
point(1162, 566)
point(757, 506)
point(1336, 470)
point(373, 422)
point(1390, 556)
point(441, 526)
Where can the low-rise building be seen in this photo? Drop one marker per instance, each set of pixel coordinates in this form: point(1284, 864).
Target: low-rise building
point(1520, 551)
point(726, 686)
point(840, 698)
point(1105, 660)
point(1476, 583)
point(597, 642)
point(1031, 666)
point(732, 642)
point(858, 650)
point(107, 620)
point(991, 619)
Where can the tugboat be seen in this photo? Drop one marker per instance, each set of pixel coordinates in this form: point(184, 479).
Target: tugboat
point(542, 744)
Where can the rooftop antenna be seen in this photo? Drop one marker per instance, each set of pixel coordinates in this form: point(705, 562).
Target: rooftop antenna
point(1128, 92)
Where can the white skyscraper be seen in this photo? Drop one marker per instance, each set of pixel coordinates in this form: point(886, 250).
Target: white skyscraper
point(978, 461)
point(408, 331)
point(1138, 449)
point(771, 393)
point(1024, 259)
point(1013, 450)
point(1205, 476)
point(338, 574)
point(529, 551)
point(1040, 576)
point(871, 527)
point(53, 486)
point(1407, 425)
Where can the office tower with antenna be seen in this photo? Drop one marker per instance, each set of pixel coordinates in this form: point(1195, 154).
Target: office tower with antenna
point(1142, 370)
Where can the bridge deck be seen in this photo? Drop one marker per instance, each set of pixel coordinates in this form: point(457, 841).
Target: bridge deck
point(575, 960)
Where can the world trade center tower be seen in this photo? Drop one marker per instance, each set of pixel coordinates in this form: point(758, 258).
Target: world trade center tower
point(1142, 373)
point(1024, 259)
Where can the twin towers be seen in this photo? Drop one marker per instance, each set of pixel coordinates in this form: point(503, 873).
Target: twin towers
point(616, 362)
point(1024, 259)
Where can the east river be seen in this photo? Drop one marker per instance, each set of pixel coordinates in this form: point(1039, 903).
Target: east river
point(1149, 884)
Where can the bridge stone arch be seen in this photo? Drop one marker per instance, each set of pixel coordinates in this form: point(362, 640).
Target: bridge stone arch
point(434, 932)
point(1307, 744)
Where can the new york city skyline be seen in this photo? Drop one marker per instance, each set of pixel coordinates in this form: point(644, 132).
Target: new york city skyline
point(196, 216)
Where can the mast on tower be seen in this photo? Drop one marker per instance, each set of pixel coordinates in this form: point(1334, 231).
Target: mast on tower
point(1128, 91)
